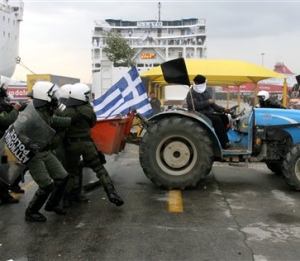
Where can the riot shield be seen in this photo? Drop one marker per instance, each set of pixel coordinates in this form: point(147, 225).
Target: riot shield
point(28, 135)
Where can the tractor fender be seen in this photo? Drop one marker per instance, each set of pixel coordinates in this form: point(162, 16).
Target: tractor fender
point(196, 116)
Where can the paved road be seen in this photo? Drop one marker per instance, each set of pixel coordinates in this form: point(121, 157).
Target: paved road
point(238, 213)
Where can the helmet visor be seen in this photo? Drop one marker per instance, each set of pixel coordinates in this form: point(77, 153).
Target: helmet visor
point(55, 92)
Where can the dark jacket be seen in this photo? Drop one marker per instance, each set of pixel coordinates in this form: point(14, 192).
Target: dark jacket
point(155, 104)
point(54, 122)
point(89, 118)
point(201, 102)
point(7, 116)
point(270, 104)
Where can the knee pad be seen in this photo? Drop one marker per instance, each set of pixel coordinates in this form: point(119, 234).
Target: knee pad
point(47, 189)
point(101, 170)
point(61, 182)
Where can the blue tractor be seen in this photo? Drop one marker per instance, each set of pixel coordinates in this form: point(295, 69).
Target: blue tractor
point(179, 147)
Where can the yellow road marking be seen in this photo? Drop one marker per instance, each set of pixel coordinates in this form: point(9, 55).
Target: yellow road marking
point(28, 185)
point(175, 201)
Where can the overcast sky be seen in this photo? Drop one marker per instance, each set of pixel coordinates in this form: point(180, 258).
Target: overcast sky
point(56, 35)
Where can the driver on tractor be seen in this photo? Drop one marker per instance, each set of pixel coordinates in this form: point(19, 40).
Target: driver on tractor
point(199, 99)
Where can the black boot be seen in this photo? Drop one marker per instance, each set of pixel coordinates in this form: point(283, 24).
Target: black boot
point(34, 216)
point(32, 213)
point(52, 204)
point(67, 201)
point(113, 196)
point(8, 199)
point(5, 197)
point(56, 209)
point(80, 198)
point(76, 194)
point(15, 187)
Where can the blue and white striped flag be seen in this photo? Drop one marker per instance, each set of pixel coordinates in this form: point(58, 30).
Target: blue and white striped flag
point(127, 94)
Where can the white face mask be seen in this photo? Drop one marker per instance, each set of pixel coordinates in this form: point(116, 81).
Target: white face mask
point(200, 88)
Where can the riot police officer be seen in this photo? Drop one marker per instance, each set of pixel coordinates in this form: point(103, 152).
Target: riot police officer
point(46, 170)
point(65, 90)
point(78, 142)
point(8, 114)
point(57, 145)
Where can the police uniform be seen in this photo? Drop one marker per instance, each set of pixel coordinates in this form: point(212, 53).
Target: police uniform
point(74, 187)
point(78, 143)
point(8, 114)
point(46, 170)
point(58, 147)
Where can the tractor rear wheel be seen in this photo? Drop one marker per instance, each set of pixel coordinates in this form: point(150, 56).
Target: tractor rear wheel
point(275, 167)
point(291, 168)
point(176, 153)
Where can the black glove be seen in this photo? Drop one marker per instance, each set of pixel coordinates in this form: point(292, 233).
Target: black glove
point(76, 119)
point(23, 106)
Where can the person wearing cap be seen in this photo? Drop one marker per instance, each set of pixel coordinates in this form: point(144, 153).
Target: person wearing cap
point(199, 99)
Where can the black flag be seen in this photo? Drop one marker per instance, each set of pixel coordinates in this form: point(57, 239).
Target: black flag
point(175, 71)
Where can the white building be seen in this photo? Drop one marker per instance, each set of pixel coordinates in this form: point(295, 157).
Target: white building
point(154, 42)
point(11, 16)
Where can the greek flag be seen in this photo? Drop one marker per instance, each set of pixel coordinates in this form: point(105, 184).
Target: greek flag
point(127, 94)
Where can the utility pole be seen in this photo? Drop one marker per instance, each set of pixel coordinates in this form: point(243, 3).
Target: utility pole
point(159, 6)
point(159, 29)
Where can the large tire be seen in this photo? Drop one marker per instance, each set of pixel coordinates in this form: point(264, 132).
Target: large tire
point(275, 167)
point(291, 168)
point(176, 153)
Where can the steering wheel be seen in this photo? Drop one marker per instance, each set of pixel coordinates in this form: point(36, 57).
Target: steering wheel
point(232, 111)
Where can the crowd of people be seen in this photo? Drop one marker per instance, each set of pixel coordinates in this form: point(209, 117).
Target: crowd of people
point(56, 164)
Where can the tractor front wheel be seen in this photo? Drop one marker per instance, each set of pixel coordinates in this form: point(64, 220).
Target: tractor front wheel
point(176, 153)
